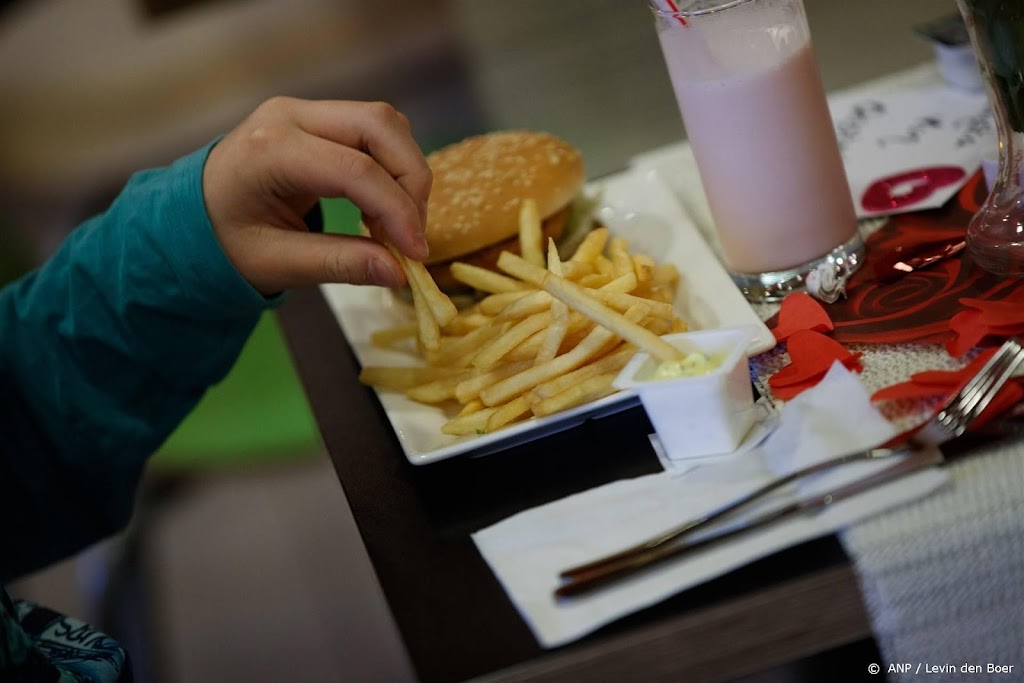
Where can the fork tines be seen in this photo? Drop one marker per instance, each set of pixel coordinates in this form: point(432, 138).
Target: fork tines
point(964, 407)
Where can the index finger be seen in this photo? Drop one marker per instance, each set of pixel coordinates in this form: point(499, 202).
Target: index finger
point(308, 164)
point(377, 129)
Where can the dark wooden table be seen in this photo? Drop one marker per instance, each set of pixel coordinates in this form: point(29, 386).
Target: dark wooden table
point(454, 617)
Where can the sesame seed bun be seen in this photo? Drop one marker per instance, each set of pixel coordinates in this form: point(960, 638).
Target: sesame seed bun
point(480, 183)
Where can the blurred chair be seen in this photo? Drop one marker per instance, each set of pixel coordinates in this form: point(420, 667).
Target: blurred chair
point(15, 255)
point(93, 91)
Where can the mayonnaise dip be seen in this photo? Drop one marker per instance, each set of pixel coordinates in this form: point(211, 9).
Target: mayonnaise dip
point(691, 365)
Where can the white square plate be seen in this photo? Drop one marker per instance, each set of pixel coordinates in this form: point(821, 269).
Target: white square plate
point(634, 205)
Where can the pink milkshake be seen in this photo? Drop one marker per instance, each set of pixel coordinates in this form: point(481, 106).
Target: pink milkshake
point(756, 116)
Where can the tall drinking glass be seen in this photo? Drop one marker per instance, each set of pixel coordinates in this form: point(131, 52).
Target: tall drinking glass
point(755, 114)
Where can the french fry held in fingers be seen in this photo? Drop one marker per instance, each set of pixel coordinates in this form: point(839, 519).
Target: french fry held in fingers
point(548, 334)
point(441, 307)
point(428, 330)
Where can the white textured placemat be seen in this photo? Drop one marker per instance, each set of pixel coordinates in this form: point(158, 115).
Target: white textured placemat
point(943, 578)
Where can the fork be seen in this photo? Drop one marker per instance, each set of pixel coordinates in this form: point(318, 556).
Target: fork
point(950, 421)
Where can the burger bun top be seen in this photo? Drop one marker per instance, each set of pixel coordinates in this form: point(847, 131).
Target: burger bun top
point(481, 182)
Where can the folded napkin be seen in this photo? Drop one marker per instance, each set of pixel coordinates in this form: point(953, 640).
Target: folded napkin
point(528, 550)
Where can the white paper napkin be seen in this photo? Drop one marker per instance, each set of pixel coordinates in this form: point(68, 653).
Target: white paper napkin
point(528, 550)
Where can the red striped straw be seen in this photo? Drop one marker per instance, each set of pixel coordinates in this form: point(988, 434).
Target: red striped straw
point(674, 8)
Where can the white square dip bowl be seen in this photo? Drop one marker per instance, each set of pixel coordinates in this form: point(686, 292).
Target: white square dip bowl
point(699, 415)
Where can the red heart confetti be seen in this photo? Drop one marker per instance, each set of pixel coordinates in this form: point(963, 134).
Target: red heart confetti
point(811, 354)
point(800, 311)
point(998, 313)
point(984, 319)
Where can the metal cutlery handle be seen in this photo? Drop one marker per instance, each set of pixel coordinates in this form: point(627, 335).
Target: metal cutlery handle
point(725, 510)
point(587, 580)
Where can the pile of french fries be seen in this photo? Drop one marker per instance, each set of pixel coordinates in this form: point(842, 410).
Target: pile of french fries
point(548, 336)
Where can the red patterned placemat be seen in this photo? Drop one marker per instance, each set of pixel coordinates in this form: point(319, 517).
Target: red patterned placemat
point(917, 307)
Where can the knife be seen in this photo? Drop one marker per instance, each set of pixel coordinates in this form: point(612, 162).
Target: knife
point(586, 581)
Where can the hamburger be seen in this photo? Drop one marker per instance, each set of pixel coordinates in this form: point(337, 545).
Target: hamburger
point(479, 186)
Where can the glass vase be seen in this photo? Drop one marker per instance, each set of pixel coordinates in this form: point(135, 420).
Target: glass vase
point(995, 236)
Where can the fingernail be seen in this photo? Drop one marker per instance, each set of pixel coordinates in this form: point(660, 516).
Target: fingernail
point(422, 248)
point(381, 273)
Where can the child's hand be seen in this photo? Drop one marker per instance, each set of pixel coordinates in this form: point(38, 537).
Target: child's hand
point(265, 175)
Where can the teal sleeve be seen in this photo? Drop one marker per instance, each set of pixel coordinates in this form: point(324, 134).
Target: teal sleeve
point(103, 351)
